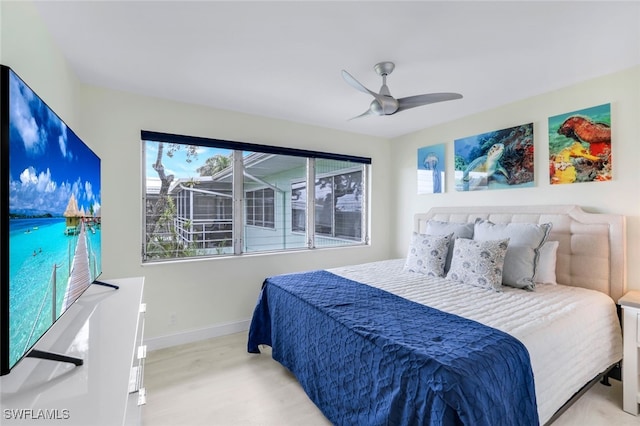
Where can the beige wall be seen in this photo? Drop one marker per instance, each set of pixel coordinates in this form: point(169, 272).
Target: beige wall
point(209, 297)
point(621, 195)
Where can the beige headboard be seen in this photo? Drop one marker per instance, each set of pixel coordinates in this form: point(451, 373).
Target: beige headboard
point(591, 253)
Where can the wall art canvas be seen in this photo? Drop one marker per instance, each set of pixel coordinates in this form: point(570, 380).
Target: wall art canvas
point(580, 146)
point(431, 169)
point(495, 160)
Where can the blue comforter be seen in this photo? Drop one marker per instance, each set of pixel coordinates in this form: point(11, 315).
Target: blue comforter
point(368, 357)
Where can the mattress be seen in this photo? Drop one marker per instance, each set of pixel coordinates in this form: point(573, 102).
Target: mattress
point(572, 334)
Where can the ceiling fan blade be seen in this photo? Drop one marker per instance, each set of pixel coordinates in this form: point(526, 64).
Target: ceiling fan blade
point(351, 81)
point(430, 98)
point(364, 114)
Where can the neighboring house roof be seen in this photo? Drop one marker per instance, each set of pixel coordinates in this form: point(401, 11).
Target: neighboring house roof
point(257, 165)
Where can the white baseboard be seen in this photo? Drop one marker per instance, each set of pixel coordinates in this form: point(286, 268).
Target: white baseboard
point(190, 336)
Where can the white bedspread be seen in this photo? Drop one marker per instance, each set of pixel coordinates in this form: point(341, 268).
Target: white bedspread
point(572, 334)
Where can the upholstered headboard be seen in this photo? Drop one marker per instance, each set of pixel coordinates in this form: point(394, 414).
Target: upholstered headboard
point(591, 251)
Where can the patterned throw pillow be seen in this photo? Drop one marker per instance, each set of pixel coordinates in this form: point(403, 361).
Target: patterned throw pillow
point(428, 254)
point(478, 263)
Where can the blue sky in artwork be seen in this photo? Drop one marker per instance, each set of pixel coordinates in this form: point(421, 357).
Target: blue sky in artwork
point(47, 160)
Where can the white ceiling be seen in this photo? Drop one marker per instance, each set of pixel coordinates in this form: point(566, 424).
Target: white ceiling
point(283, 59)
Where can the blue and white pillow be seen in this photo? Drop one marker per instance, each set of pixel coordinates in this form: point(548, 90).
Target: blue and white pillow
point(428, 254)
point(459, 230)
point(478, 263)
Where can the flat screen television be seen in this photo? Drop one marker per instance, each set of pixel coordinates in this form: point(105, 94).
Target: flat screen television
point(50, 220)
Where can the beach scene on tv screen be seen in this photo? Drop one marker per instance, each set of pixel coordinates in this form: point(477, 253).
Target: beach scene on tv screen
point(54, 217)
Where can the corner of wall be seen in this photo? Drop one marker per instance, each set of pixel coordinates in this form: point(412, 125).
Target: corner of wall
point(37, 60)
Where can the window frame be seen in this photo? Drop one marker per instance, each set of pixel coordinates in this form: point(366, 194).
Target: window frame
point(241, 217)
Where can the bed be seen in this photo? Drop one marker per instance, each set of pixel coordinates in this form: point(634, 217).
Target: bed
point(390, 342)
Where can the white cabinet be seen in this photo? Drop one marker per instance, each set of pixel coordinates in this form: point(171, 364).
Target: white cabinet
point(105, 328)
point(137, 393)
point(630, 303)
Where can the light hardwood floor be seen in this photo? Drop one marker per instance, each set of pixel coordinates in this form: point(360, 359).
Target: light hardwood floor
point(216, 382)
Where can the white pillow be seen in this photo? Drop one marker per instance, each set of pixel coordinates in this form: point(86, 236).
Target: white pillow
point(427, 254)
point(546, 269)
point(525, 239)
point(478, 263)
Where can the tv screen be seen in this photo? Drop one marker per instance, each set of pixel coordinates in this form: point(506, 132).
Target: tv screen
point(50, 218)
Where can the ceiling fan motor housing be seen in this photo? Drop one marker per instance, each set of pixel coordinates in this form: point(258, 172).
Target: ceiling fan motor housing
point(384, 68)
point(385, 106)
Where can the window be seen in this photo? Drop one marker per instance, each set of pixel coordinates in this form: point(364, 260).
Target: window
point(342, 206)
point(260, 208)
point(338, 204)
point(189, 213)
point(206, 197)
point(266, 185)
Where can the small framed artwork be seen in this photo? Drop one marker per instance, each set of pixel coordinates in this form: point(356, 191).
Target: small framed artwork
point(495, 160)
point(580, 146)
point(431, 169)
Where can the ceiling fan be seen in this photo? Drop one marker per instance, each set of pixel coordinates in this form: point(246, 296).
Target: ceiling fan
point(385, 104)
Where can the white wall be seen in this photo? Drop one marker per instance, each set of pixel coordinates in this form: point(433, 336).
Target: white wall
point(26, 47)
point(621, 195)
point(206, 293)
point(206, 296)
